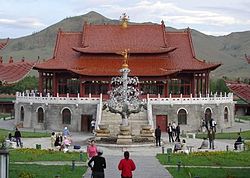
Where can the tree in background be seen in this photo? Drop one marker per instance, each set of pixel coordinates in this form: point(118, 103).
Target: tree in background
point(218, 85)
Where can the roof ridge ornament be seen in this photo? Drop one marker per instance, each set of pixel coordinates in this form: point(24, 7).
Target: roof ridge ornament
point(124, 20)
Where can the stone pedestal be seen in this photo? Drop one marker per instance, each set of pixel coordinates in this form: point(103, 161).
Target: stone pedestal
point(124, 137)
point(103, 132)
point(147, 132)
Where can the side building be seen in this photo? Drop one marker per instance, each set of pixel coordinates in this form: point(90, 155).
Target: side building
point(74, 83)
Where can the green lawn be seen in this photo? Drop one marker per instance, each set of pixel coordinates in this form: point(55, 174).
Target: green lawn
point(209, 173)
point(231, 135)
point(246, 118)
point(28, 154)
point(5, 133)
point(217, 158)
point(42, 171)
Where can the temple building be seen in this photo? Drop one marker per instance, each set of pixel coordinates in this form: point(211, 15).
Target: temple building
point(74, 82)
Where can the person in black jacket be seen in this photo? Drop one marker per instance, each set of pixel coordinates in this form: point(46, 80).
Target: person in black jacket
point(98, 166)
point(18, 136)
point(158, 136)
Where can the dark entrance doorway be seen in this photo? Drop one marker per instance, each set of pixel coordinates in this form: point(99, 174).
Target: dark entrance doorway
point(162, 121)
point(85, 123)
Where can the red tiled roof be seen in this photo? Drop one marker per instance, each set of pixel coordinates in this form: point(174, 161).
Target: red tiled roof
point(141, 62)
point(115, 38)
point(13, 72)
point(241, 90)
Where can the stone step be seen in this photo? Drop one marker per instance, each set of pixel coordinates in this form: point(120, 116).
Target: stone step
point(114, 121)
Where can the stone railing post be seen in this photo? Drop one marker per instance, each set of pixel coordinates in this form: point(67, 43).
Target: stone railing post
point(4, 164)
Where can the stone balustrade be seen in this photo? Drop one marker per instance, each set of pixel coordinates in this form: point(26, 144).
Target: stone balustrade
point(209, 99)
point(32, 98)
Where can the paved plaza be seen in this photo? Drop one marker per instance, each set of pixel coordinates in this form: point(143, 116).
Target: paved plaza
point(144, 156)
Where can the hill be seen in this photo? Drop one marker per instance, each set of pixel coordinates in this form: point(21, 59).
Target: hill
point(229, 49)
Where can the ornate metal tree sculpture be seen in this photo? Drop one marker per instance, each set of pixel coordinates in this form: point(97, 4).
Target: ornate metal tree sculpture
point(124, 96)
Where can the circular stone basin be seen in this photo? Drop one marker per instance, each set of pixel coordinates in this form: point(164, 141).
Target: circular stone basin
point(103, 126)
point(124, 128)
point(146, 127)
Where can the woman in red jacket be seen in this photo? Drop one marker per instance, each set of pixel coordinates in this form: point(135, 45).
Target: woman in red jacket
point(126, 165)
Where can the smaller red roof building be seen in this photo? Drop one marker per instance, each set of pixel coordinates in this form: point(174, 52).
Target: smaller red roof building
point(13, 72)
point(242, 90)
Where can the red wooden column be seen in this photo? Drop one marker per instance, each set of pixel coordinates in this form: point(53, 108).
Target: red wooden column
point(166, 89)
point(40, 82)
point(54, 84)
point(207, 83)
point(82, 87)
point(193, 86)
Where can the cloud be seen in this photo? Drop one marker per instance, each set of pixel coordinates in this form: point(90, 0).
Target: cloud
point(22, 23)
point(170, 12)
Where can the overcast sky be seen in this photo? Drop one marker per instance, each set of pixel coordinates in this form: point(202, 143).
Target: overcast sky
point(215, 17)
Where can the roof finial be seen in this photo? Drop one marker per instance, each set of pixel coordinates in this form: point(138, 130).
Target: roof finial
point(125, 58)
point(124, 20)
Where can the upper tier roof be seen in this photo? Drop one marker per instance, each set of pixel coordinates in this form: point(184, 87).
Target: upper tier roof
point(153, 51)
point(242, 90)
point(115, 38)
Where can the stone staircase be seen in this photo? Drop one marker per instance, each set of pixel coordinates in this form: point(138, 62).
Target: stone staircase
point(114, 121)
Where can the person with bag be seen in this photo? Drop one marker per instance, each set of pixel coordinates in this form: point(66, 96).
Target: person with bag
point(126, 166)
point(97, 165)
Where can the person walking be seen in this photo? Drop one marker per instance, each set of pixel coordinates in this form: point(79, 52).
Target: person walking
point(126, 166)
point(158, 136)
point(91, 149)
point(98, 166)
point(178, 131)
point(18, 136)
point(170, 133)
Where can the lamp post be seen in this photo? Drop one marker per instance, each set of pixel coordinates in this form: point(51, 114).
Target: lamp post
point(4, 163)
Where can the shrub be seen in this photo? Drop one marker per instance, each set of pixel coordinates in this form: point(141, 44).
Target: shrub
point(26, 175)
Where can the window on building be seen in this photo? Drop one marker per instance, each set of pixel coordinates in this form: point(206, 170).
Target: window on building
point(154, 88)
point(96, 88)
point(66, 116)
point(22, 114)
point(71, 86)
point(40, 115)
point(226, 114)
point(182, 117)
point(178, 86)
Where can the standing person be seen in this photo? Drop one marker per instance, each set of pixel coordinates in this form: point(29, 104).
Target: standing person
point(213, 125)
point(66, 132)
point(18, 136)
point(158, 136)
point(126, 166)
point(211, 138)
point(91, 149)
point(99, 164)
point(53, 139)
point(92, 126)
point(170, 133)
point(174, 128)
point(178, 131)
